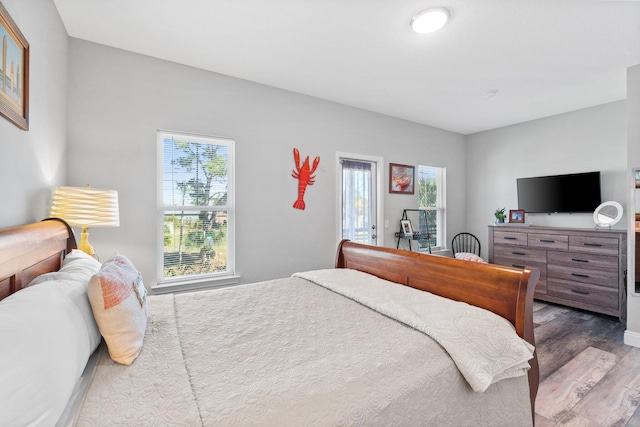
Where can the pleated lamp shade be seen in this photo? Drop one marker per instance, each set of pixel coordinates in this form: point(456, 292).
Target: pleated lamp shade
point(86, 207)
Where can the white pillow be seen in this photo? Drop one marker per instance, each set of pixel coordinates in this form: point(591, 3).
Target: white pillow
point(72, 280)
point(45, 343)
point(118, 300)
point(79, 261)
point(78, 266)
point(467, 256)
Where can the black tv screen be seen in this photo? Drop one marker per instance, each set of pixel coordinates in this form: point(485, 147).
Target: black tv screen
point(573, 193)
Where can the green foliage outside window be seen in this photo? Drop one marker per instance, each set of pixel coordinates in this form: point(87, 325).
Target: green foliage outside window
point(427, 191)
point(192, 246)
point(428, 198)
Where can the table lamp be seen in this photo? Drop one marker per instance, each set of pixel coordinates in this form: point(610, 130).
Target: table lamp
point(86, 207)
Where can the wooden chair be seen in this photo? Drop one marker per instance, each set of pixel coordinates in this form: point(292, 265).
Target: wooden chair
point(465, 242)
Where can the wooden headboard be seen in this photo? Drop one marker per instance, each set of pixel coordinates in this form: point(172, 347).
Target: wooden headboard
point(27, 251)
point(506, 291)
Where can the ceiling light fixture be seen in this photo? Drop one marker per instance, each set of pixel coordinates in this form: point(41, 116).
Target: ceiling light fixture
point(430, 20)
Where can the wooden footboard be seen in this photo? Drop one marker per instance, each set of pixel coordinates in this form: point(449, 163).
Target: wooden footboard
point(27, 251)
point(508, 292)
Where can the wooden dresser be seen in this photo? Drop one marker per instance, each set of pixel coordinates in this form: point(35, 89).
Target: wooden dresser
point(582, 268)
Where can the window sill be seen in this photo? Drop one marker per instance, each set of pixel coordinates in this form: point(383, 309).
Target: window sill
point(194, 285)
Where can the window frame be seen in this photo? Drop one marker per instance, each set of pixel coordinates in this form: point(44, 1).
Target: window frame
point(195, 281)
point(440, 208)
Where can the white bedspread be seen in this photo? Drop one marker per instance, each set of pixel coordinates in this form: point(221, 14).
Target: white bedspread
point(290, 353)
point(484, 346)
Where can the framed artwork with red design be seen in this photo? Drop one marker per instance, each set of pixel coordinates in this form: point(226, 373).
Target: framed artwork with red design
point(401, 179)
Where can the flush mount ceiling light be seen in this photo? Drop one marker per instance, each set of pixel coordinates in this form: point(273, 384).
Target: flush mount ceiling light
point(430, 20)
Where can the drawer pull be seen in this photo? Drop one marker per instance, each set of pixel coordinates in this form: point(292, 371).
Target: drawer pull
point(547, 241)
point(510, 238)
point(517, 266)
point(518, 253)
point(579, 260)
point(580, 291)
point(595, 245)
point(580, 275)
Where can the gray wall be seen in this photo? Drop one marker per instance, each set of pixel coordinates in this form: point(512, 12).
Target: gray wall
point(118, 99)
point(632, 335)
point(593, 139)
point(34, 161)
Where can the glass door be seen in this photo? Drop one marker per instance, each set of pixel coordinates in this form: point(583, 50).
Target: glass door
point(359, 200)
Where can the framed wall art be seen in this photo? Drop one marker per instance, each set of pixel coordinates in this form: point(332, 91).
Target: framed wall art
point(14, 72)
point(516, 216)
point(401, 179)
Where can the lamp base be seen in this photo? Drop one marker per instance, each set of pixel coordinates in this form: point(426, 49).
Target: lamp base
point(84, 244)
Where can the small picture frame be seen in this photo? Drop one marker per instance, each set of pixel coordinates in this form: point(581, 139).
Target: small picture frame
point(516, 217)
point(401, 179)
point(405, 225)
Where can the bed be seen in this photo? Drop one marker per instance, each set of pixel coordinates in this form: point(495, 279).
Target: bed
point(342, 346)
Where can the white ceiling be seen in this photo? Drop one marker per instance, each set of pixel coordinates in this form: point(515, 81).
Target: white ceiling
point(544, 57)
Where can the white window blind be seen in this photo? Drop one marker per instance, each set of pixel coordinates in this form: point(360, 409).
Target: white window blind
point(196, 206)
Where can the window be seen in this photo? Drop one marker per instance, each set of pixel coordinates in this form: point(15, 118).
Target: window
point(196, 207)
point(431, 197)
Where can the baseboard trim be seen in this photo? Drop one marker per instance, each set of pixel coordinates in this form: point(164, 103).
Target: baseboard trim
point(632, 338)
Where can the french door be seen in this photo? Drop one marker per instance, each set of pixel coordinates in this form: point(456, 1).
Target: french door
point(359, 185)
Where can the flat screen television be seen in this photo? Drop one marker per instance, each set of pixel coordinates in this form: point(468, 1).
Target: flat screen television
point(572, 193)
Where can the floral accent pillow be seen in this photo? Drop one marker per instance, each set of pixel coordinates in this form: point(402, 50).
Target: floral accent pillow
point(118, 300)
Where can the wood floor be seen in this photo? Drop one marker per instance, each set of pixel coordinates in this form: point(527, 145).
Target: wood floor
point(588, 376)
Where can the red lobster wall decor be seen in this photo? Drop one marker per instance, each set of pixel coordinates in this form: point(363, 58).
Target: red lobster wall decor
point(304, 177)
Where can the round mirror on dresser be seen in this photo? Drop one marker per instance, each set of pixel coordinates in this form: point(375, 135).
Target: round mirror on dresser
point(607, 214)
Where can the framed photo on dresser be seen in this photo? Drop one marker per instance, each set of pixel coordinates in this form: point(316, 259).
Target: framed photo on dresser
point(516, 217)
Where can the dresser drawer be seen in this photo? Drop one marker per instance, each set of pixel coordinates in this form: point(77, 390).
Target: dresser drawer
point(606, 278)
point(578, 260)
point(594, 245)
point(533, 255)
point(509, 238)
point(521, 257)
point(519, 263)
point(548, 241)
point(584, 293)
